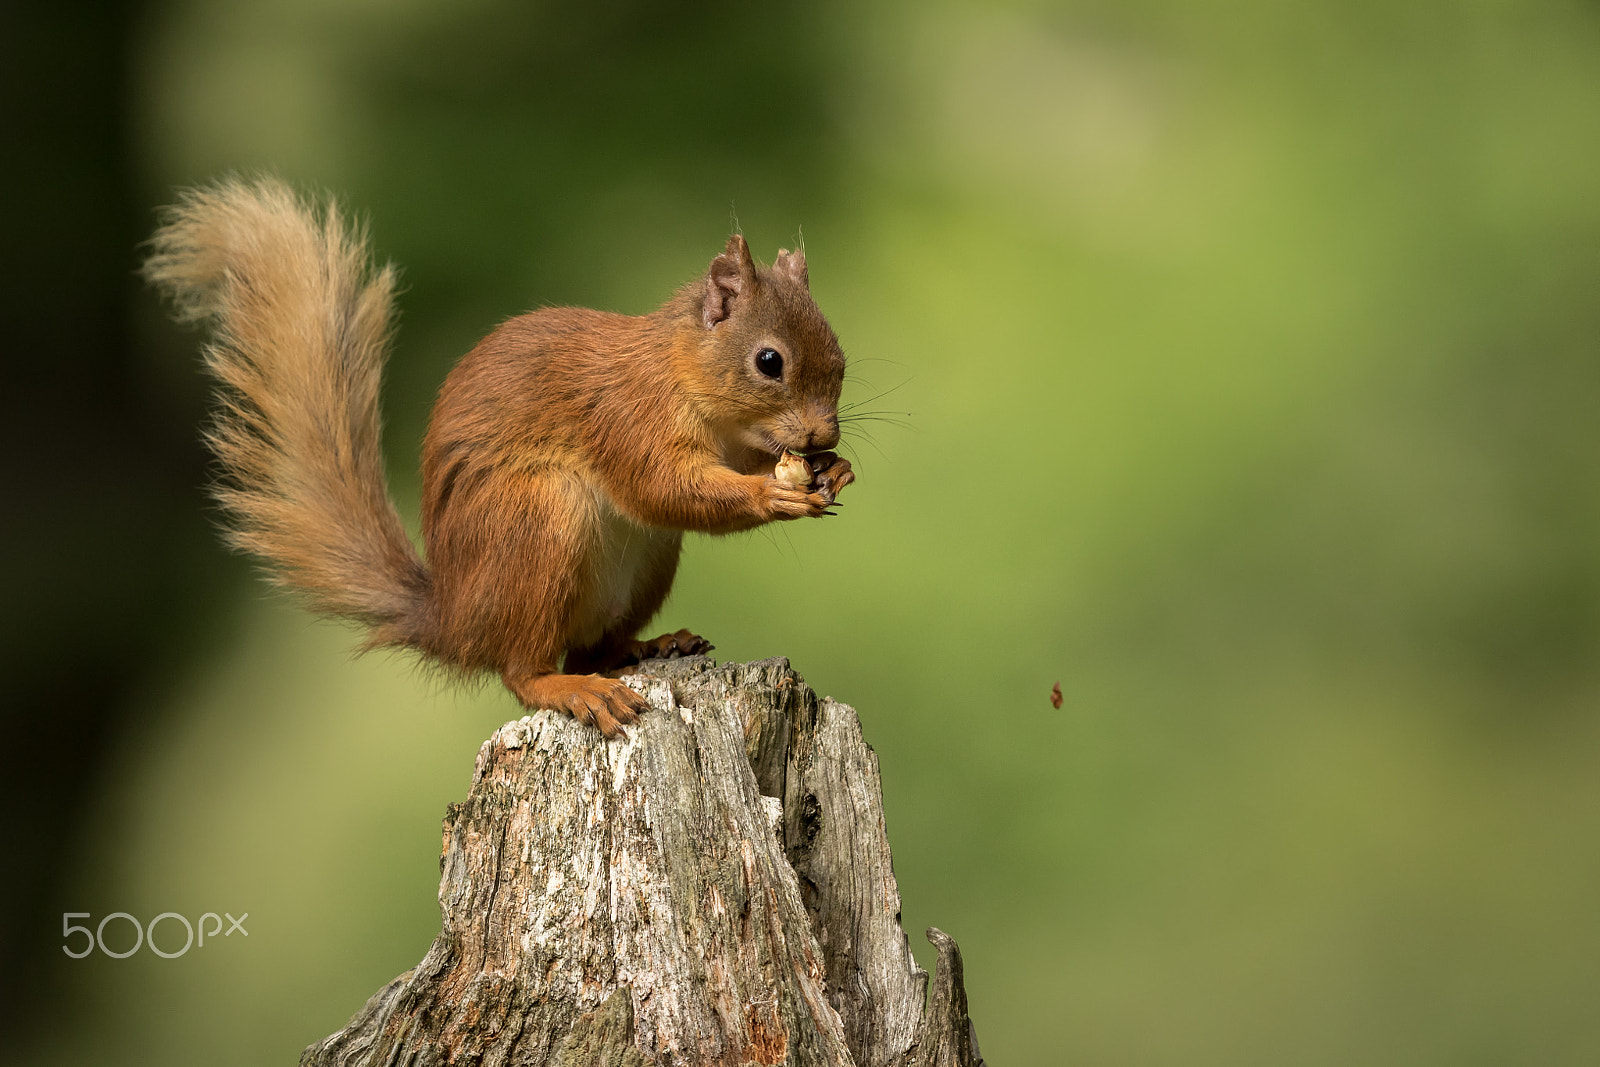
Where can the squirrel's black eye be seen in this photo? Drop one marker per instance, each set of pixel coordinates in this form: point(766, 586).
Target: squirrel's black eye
point(768, 362)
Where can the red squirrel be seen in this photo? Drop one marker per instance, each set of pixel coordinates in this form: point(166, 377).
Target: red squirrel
point(566, 455)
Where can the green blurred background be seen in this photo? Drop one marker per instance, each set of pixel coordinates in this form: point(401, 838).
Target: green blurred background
point(1242, 369)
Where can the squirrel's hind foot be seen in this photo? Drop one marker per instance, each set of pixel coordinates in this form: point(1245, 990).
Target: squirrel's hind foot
point(615, 656)
point(671, 646)
point(604, 703)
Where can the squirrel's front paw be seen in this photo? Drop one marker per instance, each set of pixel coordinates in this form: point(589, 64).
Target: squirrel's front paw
point(782, 501)
point(830, 473)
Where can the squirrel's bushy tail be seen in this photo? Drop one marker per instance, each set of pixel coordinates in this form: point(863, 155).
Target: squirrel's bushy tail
point(301, 322)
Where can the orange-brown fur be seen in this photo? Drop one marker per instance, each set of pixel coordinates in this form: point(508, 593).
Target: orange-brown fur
point(567, 453)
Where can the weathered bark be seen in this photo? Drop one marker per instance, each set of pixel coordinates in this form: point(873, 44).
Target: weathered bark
point(716, 889)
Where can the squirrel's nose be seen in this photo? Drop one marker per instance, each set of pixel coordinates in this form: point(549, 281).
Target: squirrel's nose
point(825, 435)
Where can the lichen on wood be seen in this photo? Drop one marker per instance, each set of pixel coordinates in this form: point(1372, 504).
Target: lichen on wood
point(714, 889)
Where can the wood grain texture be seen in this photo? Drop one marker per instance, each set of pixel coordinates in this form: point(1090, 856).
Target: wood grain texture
point(715, 889)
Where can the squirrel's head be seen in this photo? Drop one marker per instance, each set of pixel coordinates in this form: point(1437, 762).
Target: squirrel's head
point(768, 360)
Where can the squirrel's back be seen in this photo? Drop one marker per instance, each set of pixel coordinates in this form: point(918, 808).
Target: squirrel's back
point(301, 322)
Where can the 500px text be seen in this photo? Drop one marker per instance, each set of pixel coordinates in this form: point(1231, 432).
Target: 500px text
point(146, 935)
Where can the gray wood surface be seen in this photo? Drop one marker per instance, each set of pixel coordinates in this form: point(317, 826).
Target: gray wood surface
point(716, 889)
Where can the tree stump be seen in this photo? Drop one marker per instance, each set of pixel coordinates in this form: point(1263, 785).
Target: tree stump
point(715, 889)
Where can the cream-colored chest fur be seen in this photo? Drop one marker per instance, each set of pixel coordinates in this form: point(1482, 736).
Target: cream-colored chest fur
point(622, 558)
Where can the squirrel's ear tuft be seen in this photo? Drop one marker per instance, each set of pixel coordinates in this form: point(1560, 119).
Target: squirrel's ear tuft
point(792, 265)
point(732, 275)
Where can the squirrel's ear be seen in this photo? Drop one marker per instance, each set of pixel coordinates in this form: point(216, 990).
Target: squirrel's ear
point(732, 274)
point(792, 265)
